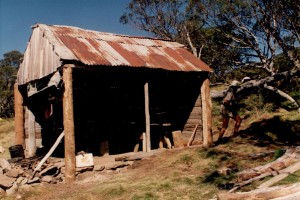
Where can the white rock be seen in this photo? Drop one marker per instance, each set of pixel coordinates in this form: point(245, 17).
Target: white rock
point(6, 182)
point(12, 190)
point(4, 164)
point(2, 149)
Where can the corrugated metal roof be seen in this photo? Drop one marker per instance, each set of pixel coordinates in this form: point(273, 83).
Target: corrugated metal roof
point(51, 45)
point(98, 48)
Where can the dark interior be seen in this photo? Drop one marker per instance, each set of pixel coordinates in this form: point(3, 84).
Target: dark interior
point(109, 106)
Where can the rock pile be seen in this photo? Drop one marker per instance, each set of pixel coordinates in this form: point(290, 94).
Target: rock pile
point(17, 174)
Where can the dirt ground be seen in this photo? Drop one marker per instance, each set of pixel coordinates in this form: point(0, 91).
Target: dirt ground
point(186, 173)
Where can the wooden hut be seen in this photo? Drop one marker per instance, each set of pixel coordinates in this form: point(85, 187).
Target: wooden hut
point(109, 93)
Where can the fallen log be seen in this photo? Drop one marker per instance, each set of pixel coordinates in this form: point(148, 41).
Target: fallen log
point(289, 197)
point(236, 187)
point(266, 193)
point(282, 174)
point(291, 156)
point(132, 156)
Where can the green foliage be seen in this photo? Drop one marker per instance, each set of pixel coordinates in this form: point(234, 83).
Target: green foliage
point(278, 153)
point(8, 72)
point(12, 58)
point(146, 196)
point(7, 79)
point(186, 159)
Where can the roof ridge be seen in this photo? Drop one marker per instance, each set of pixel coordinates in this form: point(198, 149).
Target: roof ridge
point(105, 33)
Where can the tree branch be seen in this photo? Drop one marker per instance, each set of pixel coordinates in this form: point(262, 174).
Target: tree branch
point(284, 95)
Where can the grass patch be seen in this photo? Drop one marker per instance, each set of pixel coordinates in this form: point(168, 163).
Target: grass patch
point(7, 134)
point(146, 196)
point(278, 153)
point(290, 179)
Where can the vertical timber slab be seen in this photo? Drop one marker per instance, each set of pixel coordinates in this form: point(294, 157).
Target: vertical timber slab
point(68, 120)
point(19, 117)
point(206, 113)
point(147, 117)
point(31, 144)
point(144, 142)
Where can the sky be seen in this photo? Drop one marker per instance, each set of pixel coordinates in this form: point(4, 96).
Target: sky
point(17, 17)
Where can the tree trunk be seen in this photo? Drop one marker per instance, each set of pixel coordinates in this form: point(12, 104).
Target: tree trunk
point(284, 95)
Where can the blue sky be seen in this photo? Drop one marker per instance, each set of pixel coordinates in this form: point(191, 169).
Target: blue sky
point(17, 17)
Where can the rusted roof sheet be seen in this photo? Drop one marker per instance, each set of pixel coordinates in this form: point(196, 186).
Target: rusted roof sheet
point(98, 48)
point(51, 45)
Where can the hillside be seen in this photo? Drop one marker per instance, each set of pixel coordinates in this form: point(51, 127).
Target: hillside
point(188, 173)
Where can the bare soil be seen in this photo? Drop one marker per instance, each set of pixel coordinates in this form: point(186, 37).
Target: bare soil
point(187, 173)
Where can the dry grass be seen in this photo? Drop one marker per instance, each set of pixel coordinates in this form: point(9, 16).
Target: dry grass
point(6, 136)
point(190, 173)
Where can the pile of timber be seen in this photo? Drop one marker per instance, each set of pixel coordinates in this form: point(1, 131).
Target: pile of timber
point(279, 169)
point(19, 174)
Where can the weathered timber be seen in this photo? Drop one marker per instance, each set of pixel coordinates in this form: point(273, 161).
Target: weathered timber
point(49, 153)
point(68, 121)
point(206, 113)
point(282, 174)
point(239, 185)
point(19, 116)
point(104, 148)
point(136, 147)
point(177, 140)
point(168, 142)
point(291, 156)
point(268, 193)
point(192, 136)
point(132, 156)
point(31, 146)
point(147, 117)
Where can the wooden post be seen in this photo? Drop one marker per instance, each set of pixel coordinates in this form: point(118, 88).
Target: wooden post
point(206, 113)
point(147, 117)
point(19, 117)
point(144, 142)
point(31, 145)
point(68, 115)
point(104, 148)
point(177, 139)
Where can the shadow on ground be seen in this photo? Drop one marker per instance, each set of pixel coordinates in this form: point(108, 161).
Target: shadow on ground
point(273, 131)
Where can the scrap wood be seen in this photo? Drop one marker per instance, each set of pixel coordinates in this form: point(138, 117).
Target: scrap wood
point(279, 176)
point(282, 174)
point(132, 156)
point(49, 153)
point(239, 185)
point(280, 166)
point(266, 193)
point(291, 156)
point(192, 136)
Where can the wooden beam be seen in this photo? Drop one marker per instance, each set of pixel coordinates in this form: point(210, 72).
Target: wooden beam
point(68, 120)
point(266, 193)
point(206, 113)
point(144, 142)
point(48, 154)
point(177, 139)
point(19, 117)
point(31, 144)
point(192, 136)
point(147, 117)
